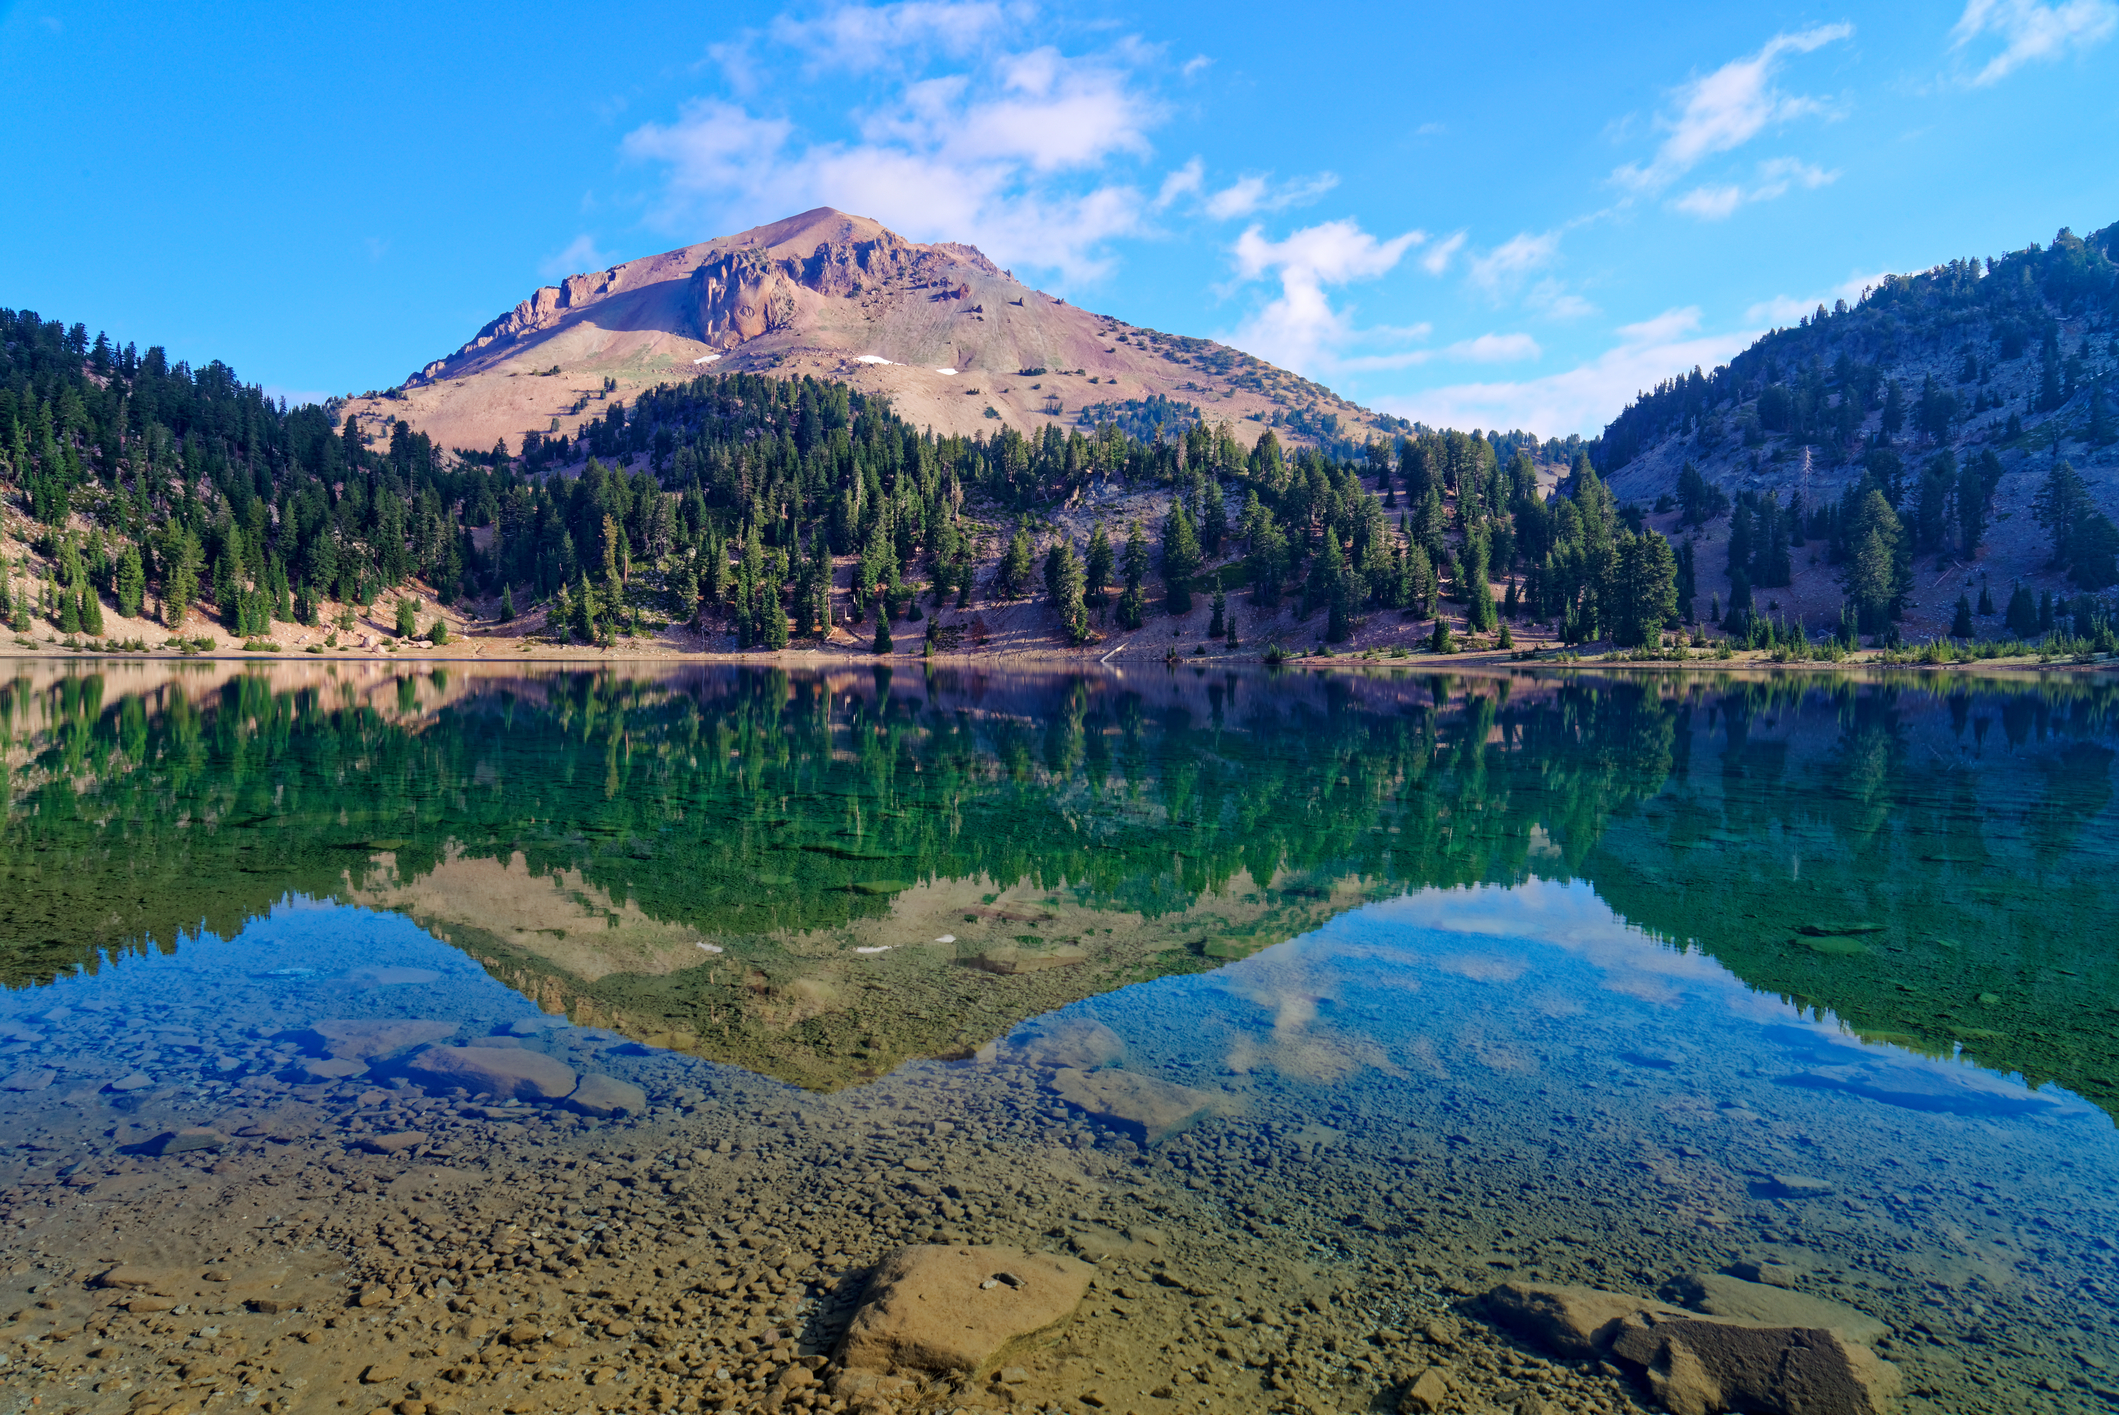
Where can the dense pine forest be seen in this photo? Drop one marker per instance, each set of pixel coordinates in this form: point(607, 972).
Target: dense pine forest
point(152, 487)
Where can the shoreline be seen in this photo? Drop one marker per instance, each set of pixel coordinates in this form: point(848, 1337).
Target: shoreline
point(836, 656)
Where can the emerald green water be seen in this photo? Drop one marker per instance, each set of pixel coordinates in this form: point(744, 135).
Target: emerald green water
point(1932, 868)
point(1596, 978)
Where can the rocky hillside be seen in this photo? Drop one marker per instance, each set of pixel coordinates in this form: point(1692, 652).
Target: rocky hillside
point(957, 343)
point(2002, 364)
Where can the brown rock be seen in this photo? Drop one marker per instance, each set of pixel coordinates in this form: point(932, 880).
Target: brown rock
point(1700, 1366)
point(130, 1275)
point(1152, 1110)
point(334, 1068)
point(494, 1071)
point(1427, 1392)
point(383, 1372)
point(605, 1096)
point(937, 1308)
point(1578, 1323)
point(395, 1144)
point(1720, 1295)
point(365, 1039)
point(177, 1142)
point(1697, 1364)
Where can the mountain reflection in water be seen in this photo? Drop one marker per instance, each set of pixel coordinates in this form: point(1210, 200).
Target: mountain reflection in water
point(818, 876)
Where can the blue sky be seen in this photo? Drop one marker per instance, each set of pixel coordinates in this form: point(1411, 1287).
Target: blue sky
point(1476, 215)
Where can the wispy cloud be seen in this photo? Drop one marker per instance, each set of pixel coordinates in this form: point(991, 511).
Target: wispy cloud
point(1722, 111)
point(1581, 399)
point(2030, 31)
point(1776, 177)
point(1784, 310)
point(580, 254)
point(1503, 269)
point(1441, 253)
point(1248, 195)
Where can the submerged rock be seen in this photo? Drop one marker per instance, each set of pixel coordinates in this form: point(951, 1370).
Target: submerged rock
point(605, 1096)
point(1702, 1364)
point(367, 1038)
point(494, 1071)
point(1076, 1042)
point(932, 1308)
point(1153, 1110)
point(1721, 1295)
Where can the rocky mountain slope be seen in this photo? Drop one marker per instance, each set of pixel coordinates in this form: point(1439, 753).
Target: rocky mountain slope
point(959, 344)
point(2012, 356)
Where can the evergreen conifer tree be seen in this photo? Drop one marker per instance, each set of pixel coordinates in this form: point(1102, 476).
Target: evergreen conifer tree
point(1961, 620)
point(507, 603)
point(881, 645)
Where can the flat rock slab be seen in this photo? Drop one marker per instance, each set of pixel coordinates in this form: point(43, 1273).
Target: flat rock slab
point(937, 1308)
point(494, 1071)
point(605, 1096)
point(1700, 1365)
point(30, 1080)
point(1703, 1366)
point(1152, 1110)
point(395, 1144)
point(1720, 1295)
point(366, 1038)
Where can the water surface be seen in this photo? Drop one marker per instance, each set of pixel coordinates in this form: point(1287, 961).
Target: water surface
point(1610, 980)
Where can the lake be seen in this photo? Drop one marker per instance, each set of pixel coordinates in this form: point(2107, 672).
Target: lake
point(471, 1039)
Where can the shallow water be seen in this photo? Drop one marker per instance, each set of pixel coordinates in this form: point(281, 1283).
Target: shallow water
point(1611, 981)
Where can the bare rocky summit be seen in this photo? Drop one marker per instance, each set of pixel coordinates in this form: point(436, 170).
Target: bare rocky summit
point(958, 343)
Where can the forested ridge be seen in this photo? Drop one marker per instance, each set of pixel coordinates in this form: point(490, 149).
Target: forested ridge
point(149, 485)
point(1888, 429)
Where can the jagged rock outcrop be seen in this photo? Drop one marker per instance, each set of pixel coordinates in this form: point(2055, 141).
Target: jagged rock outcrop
point(740, 296)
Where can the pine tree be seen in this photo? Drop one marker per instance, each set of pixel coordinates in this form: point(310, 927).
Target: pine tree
point(1442, 641)
point(1961, 621)
point(131, 582)
point(1986, 598)
point(2022, 616)
point(582, 622)
point(1181, 558)
point(507, 603)
point(1017, 565)
point(1219, 622)
point(407, 618)
point(1098, 567)
point(881, 645)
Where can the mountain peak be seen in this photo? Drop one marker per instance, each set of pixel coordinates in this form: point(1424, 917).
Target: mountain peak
point(957, 343)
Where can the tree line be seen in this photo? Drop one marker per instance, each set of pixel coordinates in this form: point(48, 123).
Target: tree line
point(742, 490)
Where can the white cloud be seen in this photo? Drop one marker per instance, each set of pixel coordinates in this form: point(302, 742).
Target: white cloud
point(1496, 349)
point(1188, 180)
point(1251, 194)
point(1783, 310)
point(994, 157)
point(580, 254)
point(1439, 255)
point(1559, 304)
point(1727, 108)
point(1300, 329)
point(1504, 267)
point(2029, 30)
point(1711, 203)
point(865, 37)
point(1194, 66)
point(1581, 399)
point(1776, 176)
